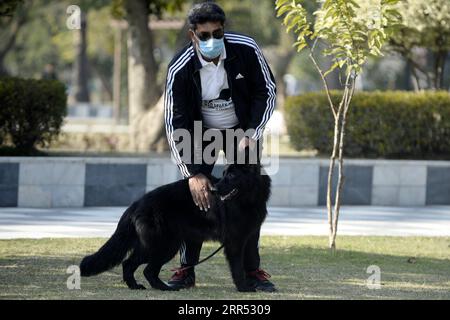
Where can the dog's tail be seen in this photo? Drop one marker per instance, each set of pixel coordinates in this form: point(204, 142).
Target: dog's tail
point(114, 250)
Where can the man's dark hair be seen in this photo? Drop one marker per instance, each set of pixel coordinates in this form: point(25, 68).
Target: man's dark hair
point(205, 12)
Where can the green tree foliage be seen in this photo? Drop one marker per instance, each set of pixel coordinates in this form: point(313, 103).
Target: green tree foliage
point(45, 38)
point(425, 24)
point(351, 30)
point(155, 7)
point(8, 7)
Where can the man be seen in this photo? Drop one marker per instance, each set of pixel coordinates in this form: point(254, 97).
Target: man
point(223, 80)
point(49, 72)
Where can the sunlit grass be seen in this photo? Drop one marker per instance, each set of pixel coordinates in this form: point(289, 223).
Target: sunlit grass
point(301, 267)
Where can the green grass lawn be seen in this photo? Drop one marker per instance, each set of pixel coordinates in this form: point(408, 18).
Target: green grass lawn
point(301, 267)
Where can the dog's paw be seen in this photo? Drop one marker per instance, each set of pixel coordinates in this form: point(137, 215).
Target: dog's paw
point(246, 289)
point(169, 288)
point(137, 287)
point(166, 288)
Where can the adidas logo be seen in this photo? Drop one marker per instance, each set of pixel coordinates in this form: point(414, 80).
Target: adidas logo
point(239, 76)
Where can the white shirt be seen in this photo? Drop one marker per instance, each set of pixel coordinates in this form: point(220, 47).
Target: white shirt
point(217, 106)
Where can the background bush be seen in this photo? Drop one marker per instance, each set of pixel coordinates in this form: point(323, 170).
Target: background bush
point(31, 111)
point(392, 124)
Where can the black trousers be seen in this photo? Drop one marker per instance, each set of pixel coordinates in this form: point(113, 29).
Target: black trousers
point(190, 250)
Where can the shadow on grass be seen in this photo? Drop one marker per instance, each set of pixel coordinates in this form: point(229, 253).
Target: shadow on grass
point(300, 272)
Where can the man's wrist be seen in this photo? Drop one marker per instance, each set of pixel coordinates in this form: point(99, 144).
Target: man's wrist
point(196, 175)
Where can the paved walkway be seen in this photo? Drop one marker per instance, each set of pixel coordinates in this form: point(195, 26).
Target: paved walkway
point(355, 220)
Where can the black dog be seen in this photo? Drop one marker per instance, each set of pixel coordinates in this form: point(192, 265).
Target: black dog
point(152, 229)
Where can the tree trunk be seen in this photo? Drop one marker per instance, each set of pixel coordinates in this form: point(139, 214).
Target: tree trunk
point(331, 242)
point(338, 152)
point(280, 58)
point(142, 67)
point(143, 90)
point(80, 68)
point(149, 128)
point(9, 35)
point(104, 80)
point(281, 64)
point(117, 73)
point(158, 141)
point(439, 67)
point(182, 37)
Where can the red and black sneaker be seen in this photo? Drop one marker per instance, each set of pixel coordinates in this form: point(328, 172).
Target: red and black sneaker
point(183, 278)
point(259, 279)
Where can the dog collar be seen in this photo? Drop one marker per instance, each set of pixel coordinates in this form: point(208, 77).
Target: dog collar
point(230, 195)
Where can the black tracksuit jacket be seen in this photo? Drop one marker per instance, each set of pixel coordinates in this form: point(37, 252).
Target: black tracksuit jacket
point(250, 79)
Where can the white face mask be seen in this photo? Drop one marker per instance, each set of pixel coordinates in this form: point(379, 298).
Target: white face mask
point(211, 48)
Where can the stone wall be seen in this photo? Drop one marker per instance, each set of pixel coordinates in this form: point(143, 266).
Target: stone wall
point(76, 182)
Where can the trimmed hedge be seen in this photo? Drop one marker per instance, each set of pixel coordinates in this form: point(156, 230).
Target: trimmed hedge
point(31, 111)
point(391, 124)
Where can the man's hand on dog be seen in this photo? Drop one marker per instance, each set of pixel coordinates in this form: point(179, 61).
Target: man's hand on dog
point(247, 142)
point(200, 187)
